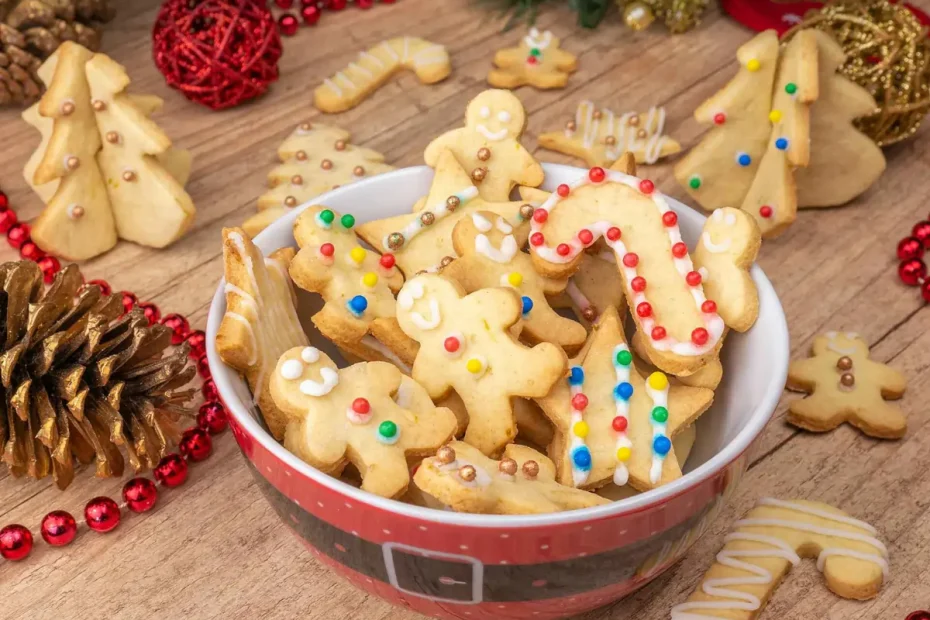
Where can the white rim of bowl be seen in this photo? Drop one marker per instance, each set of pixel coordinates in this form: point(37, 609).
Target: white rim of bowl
point(222, 376)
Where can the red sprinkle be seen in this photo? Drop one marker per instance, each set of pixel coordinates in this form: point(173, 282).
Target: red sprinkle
point(765, 211)
point(387, 260)
point(579, 402)
point(646, 186)
point(585, 236)
point(699, 336)
point(597, 174)
point(693, 278)
point(658, 333)
point(613, 233)
point(540, 216)
point(644, 309)
point(669, 218)
point(563, 249)
point(679, 250)
point(630, 259)
point(619, 424)
point(638, 284)
point(709, 307)
point(361, 405)
point(451, 344)
point(720, 118)
point(537, 239)
point(327, 249)
point(563, 190)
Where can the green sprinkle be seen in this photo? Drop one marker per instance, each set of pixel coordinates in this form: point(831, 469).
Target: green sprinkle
point(327, 216)
point(387, 429)
point(694, 182)
point(535, 52)
point(348, 221)
point(660, 414)
point(624, 358)
point(791, 88)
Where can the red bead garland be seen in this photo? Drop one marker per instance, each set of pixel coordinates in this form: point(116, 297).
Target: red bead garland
point(196, 445)
point(140, 494)
point(15, 542)
point(102, 514)
point(58, 528)
point(912, 270)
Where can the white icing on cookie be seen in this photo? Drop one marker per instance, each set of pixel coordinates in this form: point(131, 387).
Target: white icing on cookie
point(320, 388)
point(503, 254)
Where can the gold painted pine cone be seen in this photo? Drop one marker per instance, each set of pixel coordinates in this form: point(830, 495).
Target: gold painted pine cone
point(80, 382)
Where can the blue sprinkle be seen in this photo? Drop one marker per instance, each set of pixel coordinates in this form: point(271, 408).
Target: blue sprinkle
point(581, 457)
point(577, 376)
point(357, 305)
point(743, 159)
point(527, 305)
point(623, 391)
point(662, 445)
point(781, 144)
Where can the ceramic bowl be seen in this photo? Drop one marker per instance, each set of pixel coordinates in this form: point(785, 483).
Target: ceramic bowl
point(450, 565)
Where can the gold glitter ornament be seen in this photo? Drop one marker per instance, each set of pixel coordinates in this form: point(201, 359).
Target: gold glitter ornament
point(677, 15)
point(638, 16)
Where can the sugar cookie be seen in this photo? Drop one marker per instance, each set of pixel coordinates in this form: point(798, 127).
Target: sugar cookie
point(537, 61)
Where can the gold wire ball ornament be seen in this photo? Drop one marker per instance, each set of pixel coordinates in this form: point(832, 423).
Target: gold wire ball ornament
point(888, 54)
point(638, 16)
point(677, 15)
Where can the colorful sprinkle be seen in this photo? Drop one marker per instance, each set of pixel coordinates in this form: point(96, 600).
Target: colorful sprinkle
point(576, 376)
point(670, 218)
point(658, 381)
point(791, 88)
point(563, 190)
point(743, 159)
point(451, 344)
point(585, 236)
point(563, 249)
point(347, 221)
point(515, 279)
point(527, 305)
point(620, 424)
point(474, 366)
point(580, 429)
point(679, 250)
point(387, 261)
point(613, 233)
point(694, 182)
point(720, 118)
point(388, 432)
point(638, 284)
point(370, 279)
point(765, 211)
point(660, 415)
point(357, 305)
point(658, 333)
point(662, 445)
point(693, 278)
point(623, 391)
point(630, 259)
point(709, 307)
point(775, 116)
point(580, 402)
point(753, 64)
point(540, 216)
point(327, 249)
point(597, 174)
point(623, 454)
point(646, 186)
point(644, 309)
point(537, 239)
point(624, 357)
point(581, 458)
point(699, 336)
point(326, 216)
point(781, 144)
point(357, 254)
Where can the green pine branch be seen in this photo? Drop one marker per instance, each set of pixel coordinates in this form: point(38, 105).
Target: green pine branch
point(590, 12)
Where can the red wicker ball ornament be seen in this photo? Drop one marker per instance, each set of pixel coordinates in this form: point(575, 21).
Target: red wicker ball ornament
point(217, 52)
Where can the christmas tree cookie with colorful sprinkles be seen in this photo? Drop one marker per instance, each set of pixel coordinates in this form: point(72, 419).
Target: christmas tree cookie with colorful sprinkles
point(489, 146)
point(663, 289)
point(356, 284)
point(522, 482)
point(349, 415)
point(611, 424)
point(422, 241)
point(491, 256)
point(466, 345)
point(537, 61)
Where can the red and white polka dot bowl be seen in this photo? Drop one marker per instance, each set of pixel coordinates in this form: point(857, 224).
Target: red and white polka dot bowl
point(474, 567)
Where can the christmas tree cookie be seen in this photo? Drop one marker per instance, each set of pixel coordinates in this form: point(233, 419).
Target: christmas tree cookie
point(611, 425)
point(349, 415)
point(537, 61)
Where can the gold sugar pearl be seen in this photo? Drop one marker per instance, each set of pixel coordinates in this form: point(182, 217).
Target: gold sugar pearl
point(633, 121)
point(641, 134)
point(301, 155)
point(306, 126)
point(610, 140)
point(445, 262)
point(478, 174)
point(508, 466)
point(326, 164)
point(99, 106)
point(589, 313)
point(847, 379)
point(395, 240)
point(297, 180)
point(129, 176)
point(67, 108)
point(452, 203)
point(531, 469)
point(340, 145)
point(445, 455)
point(597, 115)
point(358, 171)
point(112, 137)
point(571, 126)
point(72, 163)
point(427, 218)
point(76, 212)
point(468, 473)
point(484, 153)
point(290, 202)
point(526, 211)
point(844, 363)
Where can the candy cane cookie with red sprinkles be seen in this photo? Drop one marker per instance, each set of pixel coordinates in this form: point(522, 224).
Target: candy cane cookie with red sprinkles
point(663, 288)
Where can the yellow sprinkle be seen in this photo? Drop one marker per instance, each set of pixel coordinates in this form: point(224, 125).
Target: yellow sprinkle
point(775, 116)
point(370, 279)
point(473, 365)
point(581, 429)
point(357, 254)
point(623, 454)
point(754, 65)
point(515, 279)
point(658, 381)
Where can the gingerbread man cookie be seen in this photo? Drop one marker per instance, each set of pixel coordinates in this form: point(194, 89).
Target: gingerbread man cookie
point(537, 61)
point(357, 285)
point(664, 291)
point(846, 386)
point(773, 538)
point(347, 88)
point(261, 318)
point(522, 482)
point(491, 256)
point(611, 425)
point(349, 415)
point(468, 337)
point(489, 146)
point(422, 241)
point(600, 137)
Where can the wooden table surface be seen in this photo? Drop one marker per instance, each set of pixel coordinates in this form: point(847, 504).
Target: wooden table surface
point(215, 549)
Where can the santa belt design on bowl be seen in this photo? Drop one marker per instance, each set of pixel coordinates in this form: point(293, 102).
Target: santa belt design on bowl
point(462, 579)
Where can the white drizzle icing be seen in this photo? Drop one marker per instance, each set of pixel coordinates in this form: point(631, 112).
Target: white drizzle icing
point(579, 476)
point(715, 248)
point(624, 134)
point(533, 39)
point(481, 222)
point(622, 473)
point(493, 136)
point(330, 379)
point(659, 399)
point(504, 254)
point(578, 298)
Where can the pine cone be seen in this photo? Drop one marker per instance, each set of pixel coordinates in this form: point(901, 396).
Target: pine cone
point(19, 80)
point(80, 381)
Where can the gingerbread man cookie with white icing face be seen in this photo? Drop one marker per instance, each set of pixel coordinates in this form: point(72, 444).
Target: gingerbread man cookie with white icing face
point(490, 256)
point(774, 537)
point(664, 290)
point(349, 415)
point(357, 285)
point(522, 482)
point(538, 61)
point(846, 386)
point(466, 345)
point(488, 146)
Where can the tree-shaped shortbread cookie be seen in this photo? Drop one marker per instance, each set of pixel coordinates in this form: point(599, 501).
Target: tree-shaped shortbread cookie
point(611, 425)
point(466, 345)
point(491, 256)
point(261, 321)
point(357, 285)
point(537, 61)
point(316, 158)
point(522, 482)
point(719, 171)
point(423, 240)
point(846, 386)
point(488, 146)
point(349, 415)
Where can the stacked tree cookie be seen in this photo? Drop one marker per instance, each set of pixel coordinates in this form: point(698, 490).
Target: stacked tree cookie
point(470, 367)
